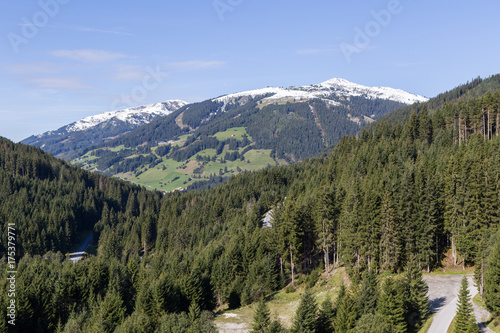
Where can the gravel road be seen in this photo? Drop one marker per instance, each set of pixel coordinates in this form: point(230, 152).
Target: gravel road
point(443, 296)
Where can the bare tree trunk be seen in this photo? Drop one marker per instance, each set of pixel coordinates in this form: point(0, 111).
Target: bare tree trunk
point(459, 131)
point(453, 250)
point(498, 121)
point(482, 278)
point(464, 131)
point(484, 125)
point(327, 263)
point(325, 249)
point(291, 265)
point(437, 250)
point(489, 128)
point(335, 254)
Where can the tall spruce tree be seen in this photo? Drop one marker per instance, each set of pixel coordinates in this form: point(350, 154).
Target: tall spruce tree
point(418, 301)
point(326, 316)
point(392, 304)
point(292, 231)
point(345, 319)
point(492, 280)
point(368, 293)
point(372, 323)
point(261, 318)
point(465, 321)
point(390, 248)
point(306, 317)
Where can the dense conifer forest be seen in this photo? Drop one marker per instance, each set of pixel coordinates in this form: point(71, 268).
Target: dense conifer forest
point(393, 199)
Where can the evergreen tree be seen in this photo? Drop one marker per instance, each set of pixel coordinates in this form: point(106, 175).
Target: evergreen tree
point(418, 301)
point(326, 316)
point(261, 318)
point(346, 316)
point(368, 293)
point(372, 323)
point(392, 305)
point(325, 215)
point(465, 321)
point(292, 232)
point(276, 327)
point(492, 280)
point(390, 248)
point(306, 317)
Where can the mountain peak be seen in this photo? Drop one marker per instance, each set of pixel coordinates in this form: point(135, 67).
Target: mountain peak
point(336, 81)
point(135, 115)
point(330, 91)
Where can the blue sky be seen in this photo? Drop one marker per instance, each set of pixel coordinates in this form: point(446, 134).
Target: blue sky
point(61, 60)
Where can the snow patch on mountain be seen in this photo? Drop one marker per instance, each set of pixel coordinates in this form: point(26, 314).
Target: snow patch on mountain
point(345, 88)
point(137, 115)
point(327, 91)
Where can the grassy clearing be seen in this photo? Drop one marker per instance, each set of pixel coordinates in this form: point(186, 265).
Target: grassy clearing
point(161, 176)
point(281, 304)
point(494, 325)
point(181, 140)
point(119, 148)
point(452, 271)
point(260, 158)
point(234, 132)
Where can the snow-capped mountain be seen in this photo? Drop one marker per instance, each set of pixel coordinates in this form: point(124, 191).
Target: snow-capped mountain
point(329, 91)
point(100, 128)
point(136, 116)
point(347, 105)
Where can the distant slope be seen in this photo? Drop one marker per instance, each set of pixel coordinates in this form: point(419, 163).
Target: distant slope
point(99, 128)
point(207, 141)
point(52, 203)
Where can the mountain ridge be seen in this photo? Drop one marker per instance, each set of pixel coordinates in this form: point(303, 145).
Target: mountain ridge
point(101, 127)
point(336, 86)
point(246, 131)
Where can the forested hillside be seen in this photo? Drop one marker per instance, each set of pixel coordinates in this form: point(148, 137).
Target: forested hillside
point(400, 193)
